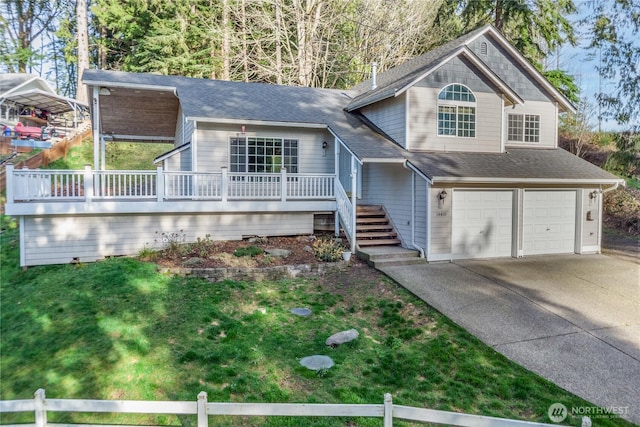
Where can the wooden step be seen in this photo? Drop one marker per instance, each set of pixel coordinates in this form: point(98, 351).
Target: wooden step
point(368, 208)
point(377, 235)
point(371, 220)
point(368, 227)
point(378, 242)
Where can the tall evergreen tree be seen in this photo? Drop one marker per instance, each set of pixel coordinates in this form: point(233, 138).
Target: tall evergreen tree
point(614, 32)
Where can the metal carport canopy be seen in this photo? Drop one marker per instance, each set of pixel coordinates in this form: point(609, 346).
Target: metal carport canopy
point(43, 100)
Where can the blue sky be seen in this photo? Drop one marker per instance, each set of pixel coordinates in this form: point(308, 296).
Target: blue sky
point(579, 62)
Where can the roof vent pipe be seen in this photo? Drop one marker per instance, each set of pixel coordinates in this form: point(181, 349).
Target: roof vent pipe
point(374, 75)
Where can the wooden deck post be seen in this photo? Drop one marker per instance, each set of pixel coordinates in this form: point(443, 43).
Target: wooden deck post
point(224, 187)
point(40, 408)
point(160, 184)
point(283, 184)
point(203, 417)
point(388, 410)
point(88, 184)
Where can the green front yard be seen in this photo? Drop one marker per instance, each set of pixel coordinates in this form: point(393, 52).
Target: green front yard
point(120, 330)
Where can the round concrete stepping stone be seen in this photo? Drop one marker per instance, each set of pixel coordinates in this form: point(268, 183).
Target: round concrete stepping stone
point(317, 362)
point(342, 337)
point(301, 311)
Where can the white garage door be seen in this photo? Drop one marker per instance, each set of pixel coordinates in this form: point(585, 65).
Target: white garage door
point(481, 224)
point(549, 223)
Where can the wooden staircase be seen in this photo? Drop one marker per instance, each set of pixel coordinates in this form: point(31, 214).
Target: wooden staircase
point(373, 227)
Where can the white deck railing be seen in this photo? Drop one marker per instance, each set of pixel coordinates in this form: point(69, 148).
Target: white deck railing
point(202, 410)
point(25, 185)
point(346, 211)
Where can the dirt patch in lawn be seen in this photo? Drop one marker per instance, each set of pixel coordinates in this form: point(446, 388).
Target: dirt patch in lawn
point(247, 253)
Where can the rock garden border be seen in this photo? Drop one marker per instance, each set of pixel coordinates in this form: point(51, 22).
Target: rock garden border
point(258, 273)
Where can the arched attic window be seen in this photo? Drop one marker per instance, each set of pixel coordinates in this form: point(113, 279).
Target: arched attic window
point(457, 112)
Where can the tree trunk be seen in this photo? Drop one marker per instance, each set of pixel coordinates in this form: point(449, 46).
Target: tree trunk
point(226, 42)
point(83, 48)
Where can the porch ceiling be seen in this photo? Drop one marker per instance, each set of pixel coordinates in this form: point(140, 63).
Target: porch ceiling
point(138, 115)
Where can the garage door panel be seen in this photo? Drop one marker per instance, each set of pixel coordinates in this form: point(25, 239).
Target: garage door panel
point(481, 223)
point(549, 222)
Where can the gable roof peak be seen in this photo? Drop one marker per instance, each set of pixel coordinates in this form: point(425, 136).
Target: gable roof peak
point(398, 79)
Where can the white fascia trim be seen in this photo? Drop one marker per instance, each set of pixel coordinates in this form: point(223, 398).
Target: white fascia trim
point(382, 160)
point(256, 122)
point(344, 145)
point(419, 172)
point(108, 207)
point(532, 70)
point(109, 84)
point(515, 181)
point(406, 87)
point(497, 81)
point(173, 152)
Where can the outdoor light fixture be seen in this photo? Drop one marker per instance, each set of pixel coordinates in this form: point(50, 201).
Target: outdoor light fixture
point(105, 91)
point(325, 144)
point(441, 196)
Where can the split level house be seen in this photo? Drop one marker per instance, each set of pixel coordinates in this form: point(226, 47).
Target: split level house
point(454, 154)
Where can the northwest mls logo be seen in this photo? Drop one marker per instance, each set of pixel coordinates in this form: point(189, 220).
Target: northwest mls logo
point(557, 412)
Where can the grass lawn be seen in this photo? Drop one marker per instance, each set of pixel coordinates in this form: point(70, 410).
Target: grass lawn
point(119, 156)
point(118, 329)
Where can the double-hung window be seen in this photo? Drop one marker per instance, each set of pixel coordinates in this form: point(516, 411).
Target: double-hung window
point(457, 112)
point(523, 128)
point(270, 155)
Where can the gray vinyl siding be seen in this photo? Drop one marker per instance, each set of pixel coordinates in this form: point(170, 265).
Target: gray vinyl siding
point(509, 70)
point(390, 117)
point(60, 239)
point(184, 129)
point(213, 146)
point(548, 124)
point(440, 223)
point(423, 123)
point(389, 185)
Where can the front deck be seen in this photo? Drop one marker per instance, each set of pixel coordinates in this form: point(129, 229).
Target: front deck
point(31, 192)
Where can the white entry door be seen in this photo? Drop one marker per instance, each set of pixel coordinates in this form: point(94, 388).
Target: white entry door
point(549, 223)
point(481, 223)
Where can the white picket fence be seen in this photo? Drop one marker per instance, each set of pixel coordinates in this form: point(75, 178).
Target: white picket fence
point(202, 409)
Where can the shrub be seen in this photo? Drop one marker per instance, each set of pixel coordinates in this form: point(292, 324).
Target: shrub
point(171, 243)
point(247, 251)
point(328, 250)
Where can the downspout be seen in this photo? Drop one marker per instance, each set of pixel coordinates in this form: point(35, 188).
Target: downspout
point(613, 187)
point(96, 128)
point(413, 211)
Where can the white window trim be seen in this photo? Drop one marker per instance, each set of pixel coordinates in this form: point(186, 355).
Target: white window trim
point(246, 154)
point(524, 121)
point(454, 103)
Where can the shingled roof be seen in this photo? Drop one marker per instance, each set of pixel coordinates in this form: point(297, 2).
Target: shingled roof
point(226, 101)
point(397, 79)
point(515, 165)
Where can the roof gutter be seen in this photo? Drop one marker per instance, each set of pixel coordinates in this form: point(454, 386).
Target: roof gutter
point(155, 88)
point(255, 122)
point(613, 187)
point(497, 180)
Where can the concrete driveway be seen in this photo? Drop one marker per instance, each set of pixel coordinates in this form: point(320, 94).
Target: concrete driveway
point(573, 319)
